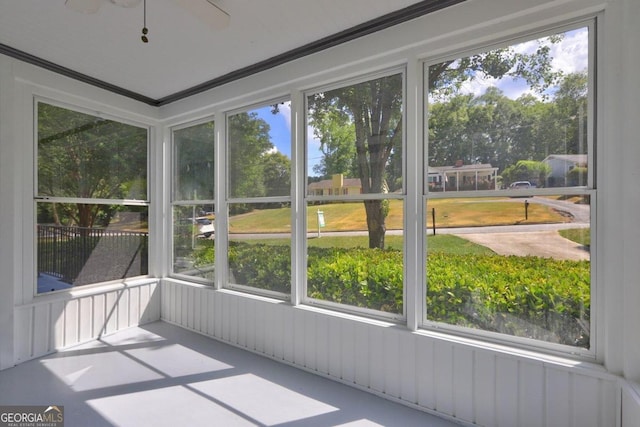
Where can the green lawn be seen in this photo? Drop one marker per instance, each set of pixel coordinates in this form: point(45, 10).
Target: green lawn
point(581, 236)
point(443, 243)
point(351, 216)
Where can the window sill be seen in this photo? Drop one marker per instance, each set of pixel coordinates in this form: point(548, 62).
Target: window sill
point(517, 351)
point(88, 290)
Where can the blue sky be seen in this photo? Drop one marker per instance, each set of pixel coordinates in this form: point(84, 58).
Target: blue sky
point(280, 126)
point(569, 55)
point(280, 133)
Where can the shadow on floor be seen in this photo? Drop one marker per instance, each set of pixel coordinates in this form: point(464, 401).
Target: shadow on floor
point(162, 375)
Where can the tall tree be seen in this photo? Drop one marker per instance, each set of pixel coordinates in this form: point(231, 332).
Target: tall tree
point(334, 129)
point(375, 110)
point(249, 141)
point(277, 174)
point(194, 165)
point(571, 101)
point(83, 156)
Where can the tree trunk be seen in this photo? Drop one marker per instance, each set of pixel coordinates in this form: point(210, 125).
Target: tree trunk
point(85, 215)
point(375, 222)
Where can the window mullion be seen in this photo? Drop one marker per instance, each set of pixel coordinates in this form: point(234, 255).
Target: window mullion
point(413, 231)
point(220, 196)
point(299, 178)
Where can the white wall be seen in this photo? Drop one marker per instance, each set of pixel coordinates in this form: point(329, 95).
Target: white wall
point(30, 325)
point(621, 211)
point(630, 404)
point(469, 380)
point(53, 323)
point(9, 199)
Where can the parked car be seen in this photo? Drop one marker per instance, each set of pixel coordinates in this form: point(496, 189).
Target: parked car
point(520, 185)
point(205, 227)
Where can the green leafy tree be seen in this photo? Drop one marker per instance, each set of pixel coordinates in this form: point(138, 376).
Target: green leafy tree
point(277, 173)
point(194, 162)
point(571, 102)
point(527, 170)
point(335, 131)
point(83, 156)
point(375, 111)
point(449, 137)
point(249, 141)
point(448, 77)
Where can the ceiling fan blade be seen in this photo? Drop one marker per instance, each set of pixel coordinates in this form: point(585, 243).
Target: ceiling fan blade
point(206, 11)
point(83, 6)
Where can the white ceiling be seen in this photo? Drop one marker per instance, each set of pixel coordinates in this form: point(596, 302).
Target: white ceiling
point(183, 51)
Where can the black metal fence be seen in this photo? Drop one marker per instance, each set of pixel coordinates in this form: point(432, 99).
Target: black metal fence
point(79, 256)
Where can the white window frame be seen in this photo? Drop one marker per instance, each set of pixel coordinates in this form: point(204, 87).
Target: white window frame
point(222, 239)
point(310, 198)
point(593, 146)
point(173, 202)
point(36, 198)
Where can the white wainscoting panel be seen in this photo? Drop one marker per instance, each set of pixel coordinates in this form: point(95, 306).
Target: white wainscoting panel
point(630, 405)
point(472, 384)
point(44, 327)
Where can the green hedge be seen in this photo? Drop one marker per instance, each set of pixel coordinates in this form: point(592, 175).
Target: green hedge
point(531, 297)
point(370, 278)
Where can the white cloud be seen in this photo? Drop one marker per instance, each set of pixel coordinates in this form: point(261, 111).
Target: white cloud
point(285, 110)
point(570, 55)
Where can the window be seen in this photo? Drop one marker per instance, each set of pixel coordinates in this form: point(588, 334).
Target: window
point(192, 200)
point(510, 190)
point(91, 199)
point(356, 196)
point(259, 199)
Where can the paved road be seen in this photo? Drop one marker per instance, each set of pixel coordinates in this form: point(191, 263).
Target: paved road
point(524, 239)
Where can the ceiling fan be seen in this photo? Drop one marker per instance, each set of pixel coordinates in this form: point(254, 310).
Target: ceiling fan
point(204, 10)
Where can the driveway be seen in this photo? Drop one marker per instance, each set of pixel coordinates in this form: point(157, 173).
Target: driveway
point(547, 244)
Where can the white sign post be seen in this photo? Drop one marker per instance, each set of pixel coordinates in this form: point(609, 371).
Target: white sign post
point(320, 221)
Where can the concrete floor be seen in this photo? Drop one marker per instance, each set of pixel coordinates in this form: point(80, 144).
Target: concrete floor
point(162, 375)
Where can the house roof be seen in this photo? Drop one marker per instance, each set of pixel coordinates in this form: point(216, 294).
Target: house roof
point(327, 183)
point(572, 158)
point(464, 168)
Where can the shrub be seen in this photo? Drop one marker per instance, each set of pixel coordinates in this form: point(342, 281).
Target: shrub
point(530, 297)
point(261, 266)
point(369, 278)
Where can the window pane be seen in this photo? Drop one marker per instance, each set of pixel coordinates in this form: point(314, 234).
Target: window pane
point(80, 155)
point(194, 168)
point(343, 268)
point(517, 266)
point(79, 244)
point(259, 150)
point(355, 140)
point(260, 246)
point(193, 241)
point(511, 118)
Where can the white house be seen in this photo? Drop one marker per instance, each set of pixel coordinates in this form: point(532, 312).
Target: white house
point(203, 68)
point(561, 164)
point(463, 177)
